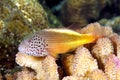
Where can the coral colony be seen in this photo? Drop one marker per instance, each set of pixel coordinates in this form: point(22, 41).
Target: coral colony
point(96, 61)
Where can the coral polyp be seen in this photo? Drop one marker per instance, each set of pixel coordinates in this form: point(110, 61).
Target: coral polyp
point(92, 61)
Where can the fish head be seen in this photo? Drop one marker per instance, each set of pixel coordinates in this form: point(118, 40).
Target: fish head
point(34, 45)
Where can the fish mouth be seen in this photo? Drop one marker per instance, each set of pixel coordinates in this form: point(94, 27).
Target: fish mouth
point(22, 47)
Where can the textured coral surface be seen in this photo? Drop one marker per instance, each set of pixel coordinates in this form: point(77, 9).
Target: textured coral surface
point(80, 11)
point(96, 61)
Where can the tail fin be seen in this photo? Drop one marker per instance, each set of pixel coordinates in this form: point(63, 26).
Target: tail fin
point(94, 29)
point(88, 38)
point(97, 35)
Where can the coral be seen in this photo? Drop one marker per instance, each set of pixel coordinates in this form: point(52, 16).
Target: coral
point(9, 77)
point(81, 57)
point(115, 38)
point(112, 67)
point(97, 29)
point(94, 62)
point(17, 19)
point(70, 78)
point(53, 20)
point(50, 68)
point(79, 11)
point(33, 12)
point(80, 63)
point(114, 23)
point(102, 49)
point(26, 75)
point(107, 31)
point(67, 62)
point(1, 25)
point(0, 76)
point(96, 75)
point(45, 68)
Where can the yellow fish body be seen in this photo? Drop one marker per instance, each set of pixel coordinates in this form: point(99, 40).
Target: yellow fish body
point(54, 42)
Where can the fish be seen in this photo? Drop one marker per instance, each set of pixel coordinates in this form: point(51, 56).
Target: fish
point(53, 42)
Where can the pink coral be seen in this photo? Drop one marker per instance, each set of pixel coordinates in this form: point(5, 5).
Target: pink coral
point(95, 62)
point(112, 67)
point(70, 78)
point(115, 38)
point(96, 75)
point(26, 75)
point(102, 49)
point(45, 68)
point(97, 29)
point(80, 63)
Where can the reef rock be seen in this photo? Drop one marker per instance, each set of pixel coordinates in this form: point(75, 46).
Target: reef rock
point(17, 19)
point(81, 11)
